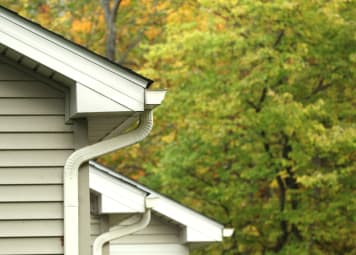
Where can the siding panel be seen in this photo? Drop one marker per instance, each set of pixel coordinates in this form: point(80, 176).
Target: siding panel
point(11, 246)
point(28, 89)
point(30, 193)
point(33, 106)
point(34, 210)
point(33, 124)
point(164, 229)
point(31, 175)
point(36, 141)
point(34, 145)
point(167, 249)
point(31, 228)
point(148, 239)
point(33, 158)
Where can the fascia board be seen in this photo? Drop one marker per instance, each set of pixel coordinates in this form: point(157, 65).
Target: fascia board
point(192, 235)
point(70, 64)
point(198, 228)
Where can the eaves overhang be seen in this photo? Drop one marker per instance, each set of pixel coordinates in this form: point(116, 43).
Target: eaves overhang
point(93, 78)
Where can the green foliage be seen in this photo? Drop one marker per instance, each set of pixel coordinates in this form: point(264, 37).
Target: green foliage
point(261, 122)
point(258, 128)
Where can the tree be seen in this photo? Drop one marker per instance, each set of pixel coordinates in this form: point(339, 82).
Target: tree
point(258, 128)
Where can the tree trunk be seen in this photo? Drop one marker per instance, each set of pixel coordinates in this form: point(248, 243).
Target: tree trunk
point(110, 18)
point(111, 42)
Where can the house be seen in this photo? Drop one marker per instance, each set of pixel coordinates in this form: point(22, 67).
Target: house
point(61, 106)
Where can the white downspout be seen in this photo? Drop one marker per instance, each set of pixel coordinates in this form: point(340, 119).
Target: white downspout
point(71, 169)
point(120, 231)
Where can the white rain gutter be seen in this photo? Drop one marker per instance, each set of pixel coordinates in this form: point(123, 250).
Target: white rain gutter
point(122, 230)
point(71, 169)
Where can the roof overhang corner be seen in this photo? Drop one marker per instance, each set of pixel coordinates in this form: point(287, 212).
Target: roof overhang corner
point(154, 98)
point(228, 232)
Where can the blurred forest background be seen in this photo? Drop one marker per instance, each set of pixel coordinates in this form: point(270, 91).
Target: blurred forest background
point(258, 128)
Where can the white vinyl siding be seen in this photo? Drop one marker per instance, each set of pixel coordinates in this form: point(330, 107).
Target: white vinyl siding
point(48, 245)
point(34, 124)
point(34, 158)
point(24, 89)
point(31, 193)
point(149, 249)
point(31, 106)
point(157, 232)
point(34, 145)
point(31, 228)
point(36, 141)
point(31, 175)
point(30, 211)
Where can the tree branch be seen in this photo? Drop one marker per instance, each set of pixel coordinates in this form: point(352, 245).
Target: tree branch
point(321, 87)
point(279, 38)
point(131, 46)
point(106, 7)
point(110, 18)
point(258, 106)
point(115, 8)
point(282, 239)
point(140, 35)
point(291, 183)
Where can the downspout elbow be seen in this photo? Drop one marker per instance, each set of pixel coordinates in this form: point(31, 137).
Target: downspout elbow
point(71, 169)
point(119, 232)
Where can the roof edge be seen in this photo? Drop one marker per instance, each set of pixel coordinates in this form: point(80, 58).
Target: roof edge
point(150, 191)
point(83, 52)
point(198, 227)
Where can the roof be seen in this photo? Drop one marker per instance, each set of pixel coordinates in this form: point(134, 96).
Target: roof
point(89, 75)
point(198, 228)
point(60, 37)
